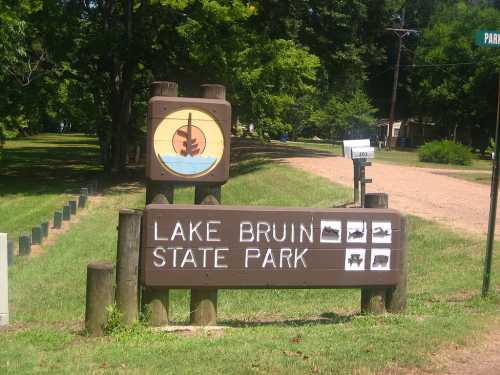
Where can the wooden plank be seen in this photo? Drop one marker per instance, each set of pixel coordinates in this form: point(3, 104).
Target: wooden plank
point(260, 247)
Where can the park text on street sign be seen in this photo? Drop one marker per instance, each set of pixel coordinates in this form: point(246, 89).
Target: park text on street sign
point(354, 143)
point(188, 139)
point(488, 38)
point(185, 246)
point(362, 153)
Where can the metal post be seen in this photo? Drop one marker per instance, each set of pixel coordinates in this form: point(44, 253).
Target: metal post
point(4, 280)
point(493, 205)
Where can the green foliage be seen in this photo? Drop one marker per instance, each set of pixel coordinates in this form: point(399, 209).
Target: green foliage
point(462, 89)
point(353, 114)
point(445, 152)
point(114, 322)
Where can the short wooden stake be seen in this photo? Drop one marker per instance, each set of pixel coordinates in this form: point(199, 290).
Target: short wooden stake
point(397, 296)
point(127, 265)
point(72, 207)
point(57, 219)
point(82, 201)
point(203, 305)
point(66, 214)
point(373, 299)
point(36, 235)
point(95, 187)
point(24, 245)
point(10, 252)
point(45, 229)
point(99, 296)
point(4, 281)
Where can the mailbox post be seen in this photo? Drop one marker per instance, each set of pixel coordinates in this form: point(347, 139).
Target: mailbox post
point(358, 150)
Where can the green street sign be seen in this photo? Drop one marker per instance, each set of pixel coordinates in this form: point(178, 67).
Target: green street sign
point(488, 38)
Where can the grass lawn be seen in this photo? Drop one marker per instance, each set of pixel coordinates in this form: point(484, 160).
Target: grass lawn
point(481, 178)
point(408, 157)
point(39, 174)
point(273, 331)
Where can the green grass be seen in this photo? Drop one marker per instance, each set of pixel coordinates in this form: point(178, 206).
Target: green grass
point(39, 174)
point(481, 178)
point(273, 331)
point(407, 157)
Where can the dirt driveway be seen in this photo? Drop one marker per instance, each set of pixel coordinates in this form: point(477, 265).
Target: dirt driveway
point(423, 192)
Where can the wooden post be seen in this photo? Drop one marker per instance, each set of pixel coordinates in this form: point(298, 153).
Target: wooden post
point(396, 296)
point(57, 219)
point(127, 265)
point(72, 207)
point(84, 191)
point(66, 214)
point(45, 229)
point(373, 299)
point(82, 200)
point(203, 305)
point(36, 235)
point(155, 303)
point(24, 245)
point(4, 281)
point(10, 252)
point(99, 296)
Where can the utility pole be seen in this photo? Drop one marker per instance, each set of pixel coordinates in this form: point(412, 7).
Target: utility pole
point(401, 33)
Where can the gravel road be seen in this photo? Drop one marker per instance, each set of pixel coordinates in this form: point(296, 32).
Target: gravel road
point(458, 204)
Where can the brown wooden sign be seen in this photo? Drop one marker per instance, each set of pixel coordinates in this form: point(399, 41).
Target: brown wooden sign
point(186, 246)
point(188, 139)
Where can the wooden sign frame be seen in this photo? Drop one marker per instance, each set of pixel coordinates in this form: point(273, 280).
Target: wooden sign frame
point(186, 246)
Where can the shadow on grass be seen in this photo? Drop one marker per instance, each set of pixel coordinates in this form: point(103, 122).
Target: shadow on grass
point(248, 156)
point(324, 319)
point(70, 161)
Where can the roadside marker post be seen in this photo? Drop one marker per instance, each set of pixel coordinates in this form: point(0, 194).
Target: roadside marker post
point(491, 39)
point(4, 281)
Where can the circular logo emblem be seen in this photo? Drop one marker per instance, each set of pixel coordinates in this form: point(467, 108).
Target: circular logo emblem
point(189, 142)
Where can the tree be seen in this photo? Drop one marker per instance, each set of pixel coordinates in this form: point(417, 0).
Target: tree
point(456, 82)
point(352, 116)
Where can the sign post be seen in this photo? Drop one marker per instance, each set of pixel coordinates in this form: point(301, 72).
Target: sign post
point(491, 39)
point(4, 281)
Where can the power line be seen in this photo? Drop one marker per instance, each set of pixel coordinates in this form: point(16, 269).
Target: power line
point(438, 65)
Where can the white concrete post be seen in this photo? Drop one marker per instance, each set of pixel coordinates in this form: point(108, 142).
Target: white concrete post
point(4, 279)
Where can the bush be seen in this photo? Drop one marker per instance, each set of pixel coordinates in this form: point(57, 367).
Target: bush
point(446, 152)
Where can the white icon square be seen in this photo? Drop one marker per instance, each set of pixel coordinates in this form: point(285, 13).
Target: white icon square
point(380, 260)
point(355, 259)
point(381, 232)
point(331, 231)
point(356, 231)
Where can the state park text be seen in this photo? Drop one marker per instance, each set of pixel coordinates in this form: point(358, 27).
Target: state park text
point(237, 247)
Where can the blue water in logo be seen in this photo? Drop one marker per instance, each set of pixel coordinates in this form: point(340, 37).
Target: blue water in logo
point(188, 164)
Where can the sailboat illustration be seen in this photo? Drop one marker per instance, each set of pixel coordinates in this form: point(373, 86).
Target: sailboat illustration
point(189, 145)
